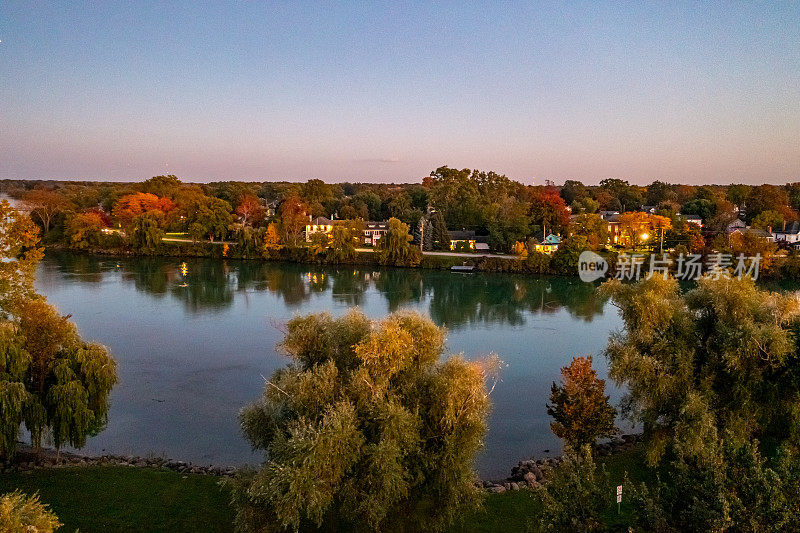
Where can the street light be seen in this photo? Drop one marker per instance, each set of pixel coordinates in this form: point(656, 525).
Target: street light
point(645, 236)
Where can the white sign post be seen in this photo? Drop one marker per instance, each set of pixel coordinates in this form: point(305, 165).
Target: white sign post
point(619, 498)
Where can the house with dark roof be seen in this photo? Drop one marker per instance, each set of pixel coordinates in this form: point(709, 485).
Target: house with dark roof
point(318, 225)
point(789, 233)
point(373, 231)
point(466, 239)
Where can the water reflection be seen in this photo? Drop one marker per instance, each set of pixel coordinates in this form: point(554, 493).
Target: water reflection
point(455, 300)
point(193, 337)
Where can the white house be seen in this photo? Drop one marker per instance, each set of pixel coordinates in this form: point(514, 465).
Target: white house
point(790, 232)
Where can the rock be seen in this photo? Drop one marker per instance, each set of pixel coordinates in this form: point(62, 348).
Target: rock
point(497, 489)
point(530, 477)
point(514, 486)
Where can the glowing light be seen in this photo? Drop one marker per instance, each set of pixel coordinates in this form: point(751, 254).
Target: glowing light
point(645, 236)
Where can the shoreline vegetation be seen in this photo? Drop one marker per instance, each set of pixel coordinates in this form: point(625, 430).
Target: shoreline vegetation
point(502, 225)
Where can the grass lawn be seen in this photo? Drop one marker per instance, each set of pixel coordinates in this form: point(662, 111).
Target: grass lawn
point(114, 498)
point(119, 498)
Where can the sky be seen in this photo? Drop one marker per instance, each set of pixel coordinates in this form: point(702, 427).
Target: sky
point(696, 92)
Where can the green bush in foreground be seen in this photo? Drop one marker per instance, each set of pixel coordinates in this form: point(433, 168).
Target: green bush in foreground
point(26, 514)
point(365, 430)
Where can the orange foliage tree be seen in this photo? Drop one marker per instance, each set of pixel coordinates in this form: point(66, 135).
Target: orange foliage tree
point(579, 407)
point(132, 205)
point(634, 225)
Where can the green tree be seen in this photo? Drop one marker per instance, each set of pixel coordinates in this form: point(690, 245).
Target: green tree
point(367, 429)
point(345, 236)
point(576, 497)
point(738, 491)
point(214, 216)
point(395, 248)
point(768, 220)
point(565, 259)
point(440, 236)
point(719, 360)
point(147, 232)
point(50, 379)
point(579, 407)
point(509, 224)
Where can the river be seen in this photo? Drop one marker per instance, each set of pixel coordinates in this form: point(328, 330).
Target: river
point(193, 340)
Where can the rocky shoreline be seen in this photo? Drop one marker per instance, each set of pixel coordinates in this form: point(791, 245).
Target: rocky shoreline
point(530, 473)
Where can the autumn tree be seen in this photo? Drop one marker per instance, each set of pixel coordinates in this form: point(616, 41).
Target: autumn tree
point(53, 381)
point(369, 428)
point(320, 242)
point(293, 219)
point(84, 230)
point(395, 248)
point(272, 239)
point(548, 213)
point(19, 254)
point(132, 205)
point(50, 379)
point(250, 209)
point(637, 227)
point(579, 407)
point(44, 205)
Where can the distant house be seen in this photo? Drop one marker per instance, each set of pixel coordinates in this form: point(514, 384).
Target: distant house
point(649, 209)
point(373, 231)
point(318, 225)
point(737, 225)
point(468, 239)
point(548, 245)
point(612, 221)
point(764, 234)
point(694, 219)
point(790, 233)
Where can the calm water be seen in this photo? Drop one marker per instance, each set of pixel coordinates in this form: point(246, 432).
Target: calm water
point(192, 349)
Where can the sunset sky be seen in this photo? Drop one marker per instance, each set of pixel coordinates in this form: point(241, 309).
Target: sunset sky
point(682, 92)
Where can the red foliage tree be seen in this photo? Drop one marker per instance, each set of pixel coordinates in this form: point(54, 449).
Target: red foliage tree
point(579, 407)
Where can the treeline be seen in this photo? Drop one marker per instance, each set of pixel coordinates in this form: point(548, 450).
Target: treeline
point(266, 219)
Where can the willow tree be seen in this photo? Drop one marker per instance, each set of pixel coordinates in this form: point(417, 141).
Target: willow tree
point(50, 379)
point(394, 248)
point(367, 428)
point(720, 361)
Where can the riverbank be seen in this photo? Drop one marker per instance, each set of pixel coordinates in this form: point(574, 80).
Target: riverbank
point(112, 497)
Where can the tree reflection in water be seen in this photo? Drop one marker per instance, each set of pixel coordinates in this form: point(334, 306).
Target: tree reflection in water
point(454, 300)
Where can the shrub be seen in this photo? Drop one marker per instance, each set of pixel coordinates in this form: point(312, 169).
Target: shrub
point(367, 429)
point(26, 514)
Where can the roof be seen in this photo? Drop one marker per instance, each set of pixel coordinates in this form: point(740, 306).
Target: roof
point(375, 225)
point(462, 235)
point(759, 233)
point(321, 221)
point(790, 227)
point(552, 239)
point(738, 223)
